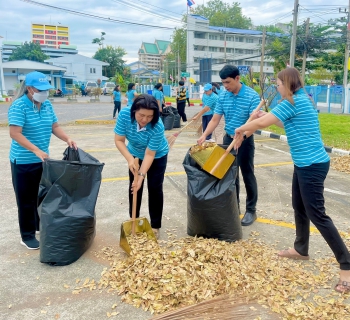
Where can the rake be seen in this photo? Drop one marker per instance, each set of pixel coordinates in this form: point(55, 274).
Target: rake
point(223, 307)
point(172, 138)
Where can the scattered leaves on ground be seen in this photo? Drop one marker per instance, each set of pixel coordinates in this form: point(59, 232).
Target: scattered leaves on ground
point(186, 271)
point(341, 164)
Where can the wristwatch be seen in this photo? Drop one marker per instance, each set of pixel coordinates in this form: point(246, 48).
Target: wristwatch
point(244, 136)
point(141, 174)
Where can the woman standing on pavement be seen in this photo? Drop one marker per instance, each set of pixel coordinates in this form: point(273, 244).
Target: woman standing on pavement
point(32, 120)
point(158, 95)
point(131, 94)
point(140, 124)
point(297, 115)
point(117, 100)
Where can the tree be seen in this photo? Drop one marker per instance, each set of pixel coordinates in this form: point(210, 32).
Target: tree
point(113, 56)
point(100, 40)
point(223, 14)
point(29, 51)
point(269, 28)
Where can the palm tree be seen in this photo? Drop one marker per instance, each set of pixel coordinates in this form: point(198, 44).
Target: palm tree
point(99, 41)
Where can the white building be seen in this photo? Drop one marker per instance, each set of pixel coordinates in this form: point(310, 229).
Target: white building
point(238, 47)
point(80, 68)
point(16, 71)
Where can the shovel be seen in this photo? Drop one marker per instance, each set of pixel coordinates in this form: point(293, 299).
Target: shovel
point(215, 159)
point(135, 225)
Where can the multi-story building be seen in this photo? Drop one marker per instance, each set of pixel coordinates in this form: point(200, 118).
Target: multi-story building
point(239, 47)
point(9, 46)
point(52, 36)
point(152, 54)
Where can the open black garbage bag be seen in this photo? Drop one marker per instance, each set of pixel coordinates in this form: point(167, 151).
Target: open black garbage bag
point(212, 208)
point(67, 198)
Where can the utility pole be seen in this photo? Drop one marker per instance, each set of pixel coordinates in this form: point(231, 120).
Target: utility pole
point(179, 65)
point(346, 58)
point(294, 34)
point(225, 45)
point(262, 57)
point(305, 49)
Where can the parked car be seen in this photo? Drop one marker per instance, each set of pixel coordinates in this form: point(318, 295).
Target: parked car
point(89, 86)
point(108, 88)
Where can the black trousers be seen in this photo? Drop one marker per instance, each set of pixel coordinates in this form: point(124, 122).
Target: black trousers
point(25, 180)
point(308, 205)
point(117, 105)
point(181, 104)
point(245, 161)
point(155, 179)
point(188, 101)
point(205, 121)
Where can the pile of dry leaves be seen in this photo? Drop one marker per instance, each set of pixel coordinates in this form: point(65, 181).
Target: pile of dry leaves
point(341, 164)
point(190, 270)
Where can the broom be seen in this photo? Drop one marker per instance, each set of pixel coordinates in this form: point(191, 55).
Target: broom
point(223, 307)
point(171, 139)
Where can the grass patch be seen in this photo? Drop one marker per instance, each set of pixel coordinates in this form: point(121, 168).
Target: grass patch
point(173, 99)
point(335, 130)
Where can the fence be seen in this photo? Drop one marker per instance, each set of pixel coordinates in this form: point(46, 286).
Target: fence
point(327, 99)
point(168, 90)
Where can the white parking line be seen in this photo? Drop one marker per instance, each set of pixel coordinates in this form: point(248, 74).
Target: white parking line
point(337, 192)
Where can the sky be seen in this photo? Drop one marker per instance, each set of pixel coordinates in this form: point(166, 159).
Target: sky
point(16, 17)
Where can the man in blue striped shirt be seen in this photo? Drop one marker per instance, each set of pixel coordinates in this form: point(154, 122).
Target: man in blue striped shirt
point(236, 104)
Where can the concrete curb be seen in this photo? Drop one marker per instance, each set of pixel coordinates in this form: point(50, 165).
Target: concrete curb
point(284, 138)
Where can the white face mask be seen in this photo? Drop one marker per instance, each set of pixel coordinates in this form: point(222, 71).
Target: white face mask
point(40, 96)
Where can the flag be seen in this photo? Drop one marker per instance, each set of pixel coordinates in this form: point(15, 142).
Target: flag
point(190, 3)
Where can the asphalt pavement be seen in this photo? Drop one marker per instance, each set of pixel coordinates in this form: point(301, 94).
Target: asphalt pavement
point(32, 290)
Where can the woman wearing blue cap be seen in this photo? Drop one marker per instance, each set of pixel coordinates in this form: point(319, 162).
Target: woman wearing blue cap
point(32, 120)
point(209, 103)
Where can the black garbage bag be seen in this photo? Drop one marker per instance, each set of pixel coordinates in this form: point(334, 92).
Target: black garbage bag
point(168, 120)
point(177, 117)
point(67, 198)
point(212, 207)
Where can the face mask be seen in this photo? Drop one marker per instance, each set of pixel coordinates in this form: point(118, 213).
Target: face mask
point(40, 96)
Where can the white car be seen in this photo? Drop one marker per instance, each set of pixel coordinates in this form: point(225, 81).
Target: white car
point(108, 88)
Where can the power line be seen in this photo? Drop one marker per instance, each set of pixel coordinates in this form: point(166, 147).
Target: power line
point(93, 16)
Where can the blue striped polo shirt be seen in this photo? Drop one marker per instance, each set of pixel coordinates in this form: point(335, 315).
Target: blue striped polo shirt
point(151, 138)
point(302, 130)
point(117, 95)
point(237, 107)
point(209, 101)
point(130, 96)
point(36, 127)
point(158, 95)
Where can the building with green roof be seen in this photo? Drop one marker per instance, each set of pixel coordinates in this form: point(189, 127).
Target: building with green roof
point(152, 54)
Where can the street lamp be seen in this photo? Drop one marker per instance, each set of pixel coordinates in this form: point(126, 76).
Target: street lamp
point(2, 81)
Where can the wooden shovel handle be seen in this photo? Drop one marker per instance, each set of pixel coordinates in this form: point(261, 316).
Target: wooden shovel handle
point(232, 144)
point(134, 196)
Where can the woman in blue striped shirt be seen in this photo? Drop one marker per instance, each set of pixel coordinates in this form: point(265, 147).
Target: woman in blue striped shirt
point(131, 94)
point(140, 124)
point(299, 118)
point(32, 120)
point(117, 100)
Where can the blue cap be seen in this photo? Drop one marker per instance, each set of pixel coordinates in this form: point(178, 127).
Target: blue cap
point(38, 80)
point(208, 87)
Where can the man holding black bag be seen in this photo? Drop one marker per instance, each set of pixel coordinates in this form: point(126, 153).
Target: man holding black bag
point(181, 101)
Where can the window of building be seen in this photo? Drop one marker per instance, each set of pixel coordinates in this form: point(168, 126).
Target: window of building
point(196, 71)
point(241, 51)
point(249, 40)
point(199, 35)
point(222, 38)
point(92, 70)
point(248, 63)
point(221, 49)
point(239, 39)
point(230, 50)
point(213, 37)
point(249, 51)
point(213, 49)
point(260, 41)
point(228, 38)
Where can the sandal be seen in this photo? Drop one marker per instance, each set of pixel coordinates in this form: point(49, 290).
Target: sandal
point(296, 256)
point(344, 284)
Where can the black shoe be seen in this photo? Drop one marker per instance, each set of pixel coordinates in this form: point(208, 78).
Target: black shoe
point(31, 244)
point(248, 219)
